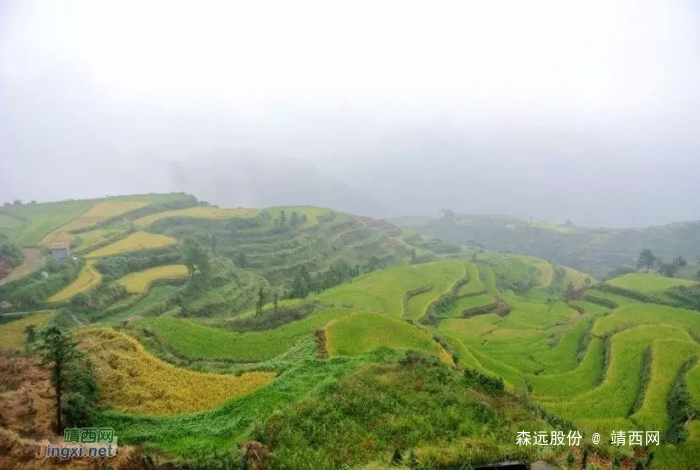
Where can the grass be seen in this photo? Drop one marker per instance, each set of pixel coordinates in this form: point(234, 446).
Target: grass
point(422, 408)
point(87, 279)
point(139, 282)
point(132, 380)
point(96, 214)
point(12, 334)
point(200, 212)
point(195, 341)
point(134, 242)
point(362, 332)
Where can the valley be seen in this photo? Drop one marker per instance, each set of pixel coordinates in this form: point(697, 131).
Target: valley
point(329, 340)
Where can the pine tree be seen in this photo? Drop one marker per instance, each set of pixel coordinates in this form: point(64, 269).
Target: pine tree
point(59, 352)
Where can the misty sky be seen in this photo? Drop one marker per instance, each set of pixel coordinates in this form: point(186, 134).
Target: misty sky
point(583, 110)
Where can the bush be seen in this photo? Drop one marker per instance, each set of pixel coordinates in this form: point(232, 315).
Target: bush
point(487, 383)
point(270, 319)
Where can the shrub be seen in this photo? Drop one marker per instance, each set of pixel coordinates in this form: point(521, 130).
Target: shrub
point(487, 383)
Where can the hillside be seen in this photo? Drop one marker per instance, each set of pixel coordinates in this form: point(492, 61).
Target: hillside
point(302, 336)
point(594, 250)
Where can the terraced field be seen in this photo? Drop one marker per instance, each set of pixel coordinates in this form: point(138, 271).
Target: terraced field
point(97, 213)
point(132, 380)
point(196, 341)
point(137, 241)
point(359, 333)
point(29, 224)
point(13, 334)
point(88, 278)
point(653, 285)
point(560, 355)
point(89, 239)
point(605, 361)
point(139, 282)
point(200, 212)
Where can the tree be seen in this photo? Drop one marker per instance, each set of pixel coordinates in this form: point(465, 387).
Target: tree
point(59, 352)
point(276, 299)
point(30, 331)
point(294, 220)
point(195, 257)
point(413, 256)
point(261, 301)
point(283, 219)
point(680, 262)
point(646, 259)
point(301, 285)
point(587, 283)
point(240, 259)
point(668, 269)
point(448, 214)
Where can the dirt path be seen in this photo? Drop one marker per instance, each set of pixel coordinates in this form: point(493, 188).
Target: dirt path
point(33, 260)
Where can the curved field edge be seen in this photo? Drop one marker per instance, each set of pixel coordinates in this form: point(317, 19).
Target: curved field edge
point(224, 427)
point(362, 332)
point(198, 212)
point(137, 241)
point(131, 379)
point(87, 279)
point(139, 282)
point(13, 334)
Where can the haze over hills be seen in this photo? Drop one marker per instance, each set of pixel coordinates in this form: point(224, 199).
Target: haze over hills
point(235, 178)
point(594, 250)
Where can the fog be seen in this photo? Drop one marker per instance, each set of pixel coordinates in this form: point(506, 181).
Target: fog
point(581, 110)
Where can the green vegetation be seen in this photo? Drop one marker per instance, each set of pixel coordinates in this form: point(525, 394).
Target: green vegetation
point(591, 250)
point(372, 414)
point(139, 282)
point(195, 341)
point(138, 241)
point(362, 332)
point(653, 285)
point(336, 340)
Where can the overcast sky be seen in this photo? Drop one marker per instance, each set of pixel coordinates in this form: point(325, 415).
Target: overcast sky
point(588, 110)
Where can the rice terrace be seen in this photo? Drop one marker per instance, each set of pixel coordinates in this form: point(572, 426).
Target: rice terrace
point(305, 337)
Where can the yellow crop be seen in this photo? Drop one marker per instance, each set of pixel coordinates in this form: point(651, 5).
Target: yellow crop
point(139, 282)
point(197, 212)
point(134, 242)
point(87, 279)
point(134, 381)
point(12, 334)
point(95, 215)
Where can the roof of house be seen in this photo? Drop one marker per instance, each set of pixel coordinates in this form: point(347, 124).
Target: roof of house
point(59, 246)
